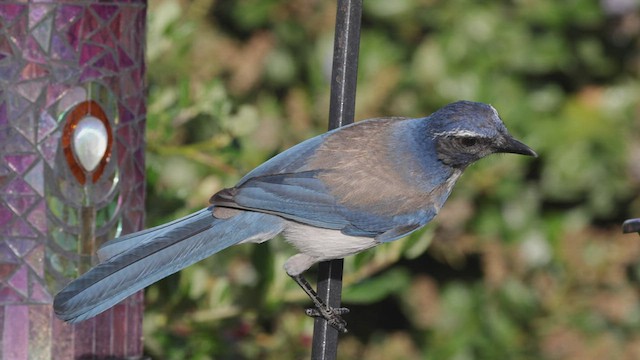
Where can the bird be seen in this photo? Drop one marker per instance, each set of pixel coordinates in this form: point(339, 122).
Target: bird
point(331, 196)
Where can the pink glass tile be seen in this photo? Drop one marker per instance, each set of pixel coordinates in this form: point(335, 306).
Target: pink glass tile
point(89, 52)
point(18, 281)
point(40, 335)
point(34, 71)
point(20, 162)
point(103, 331)
point(85, 337)
point(66, 15)
point(8, 12)
point(62, 347)
point(16, 332)
point(105, 11)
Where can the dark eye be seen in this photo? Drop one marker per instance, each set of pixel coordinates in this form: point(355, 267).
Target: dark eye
point(468, 141)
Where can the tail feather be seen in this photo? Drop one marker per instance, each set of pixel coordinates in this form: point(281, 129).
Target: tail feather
point(158, 253)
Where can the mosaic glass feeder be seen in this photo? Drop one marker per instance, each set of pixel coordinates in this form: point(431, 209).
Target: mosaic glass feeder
point(72, 116)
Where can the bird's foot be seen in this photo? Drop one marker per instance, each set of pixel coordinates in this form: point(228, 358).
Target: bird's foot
point(331, 315)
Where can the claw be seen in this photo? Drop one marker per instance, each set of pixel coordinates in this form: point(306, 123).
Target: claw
point(332, 315)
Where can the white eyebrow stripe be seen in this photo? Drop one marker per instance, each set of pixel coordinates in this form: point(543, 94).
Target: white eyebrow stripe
point(459, 133)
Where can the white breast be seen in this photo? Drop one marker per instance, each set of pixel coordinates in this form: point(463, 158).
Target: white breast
point(325, 244)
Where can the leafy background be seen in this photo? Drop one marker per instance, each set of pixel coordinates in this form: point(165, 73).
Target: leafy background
point(526, 260)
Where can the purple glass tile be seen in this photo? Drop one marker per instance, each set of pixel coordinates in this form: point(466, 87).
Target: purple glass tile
point(39, 293)
point(90, 74)
point(109, 63)
point(19, 228)
point(8, 12)
point(105, 11)
point(18, 187)
point(21, 247)
point(18, 142)
point(46, 124)
point(16, 104)
point(5, 217)
point(61, 50)
point(89, 52)
point(124, 60)
point(20, 203)
point(66, 15)
point(42, 33)
point(4, 119)
point(35, 260)
point(37, 12)
point(18, 281)
point(48, 148)
point(18, 29)
point(16, 332)
point(20, 162)
point(40, 334)
point(7, 256)
point(73, 34)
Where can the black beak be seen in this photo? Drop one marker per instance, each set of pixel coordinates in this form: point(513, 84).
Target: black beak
point(514, 146)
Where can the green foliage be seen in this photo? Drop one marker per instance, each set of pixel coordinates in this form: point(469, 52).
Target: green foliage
point(524, 262)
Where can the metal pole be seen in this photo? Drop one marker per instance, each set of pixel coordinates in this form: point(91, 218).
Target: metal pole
point(341, 112)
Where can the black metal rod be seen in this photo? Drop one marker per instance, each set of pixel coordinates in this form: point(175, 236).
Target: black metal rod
point(344, 77)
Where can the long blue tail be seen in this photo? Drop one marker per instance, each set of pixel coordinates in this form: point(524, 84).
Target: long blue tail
point(135, 261)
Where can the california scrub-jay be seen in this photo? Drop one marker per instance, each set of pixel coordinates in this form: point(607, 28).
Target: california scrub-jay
point(331, 196)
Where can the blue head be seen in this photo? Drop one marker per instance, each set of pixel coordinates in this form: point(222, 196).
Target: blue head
point(466, 131)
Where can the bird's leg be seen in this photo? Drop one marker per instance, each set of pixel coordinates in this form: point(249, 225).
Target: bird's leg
point(332, 315)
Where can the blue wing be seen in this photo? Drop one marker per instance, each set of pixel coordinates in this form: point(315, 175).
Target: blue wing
point(290, 185)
